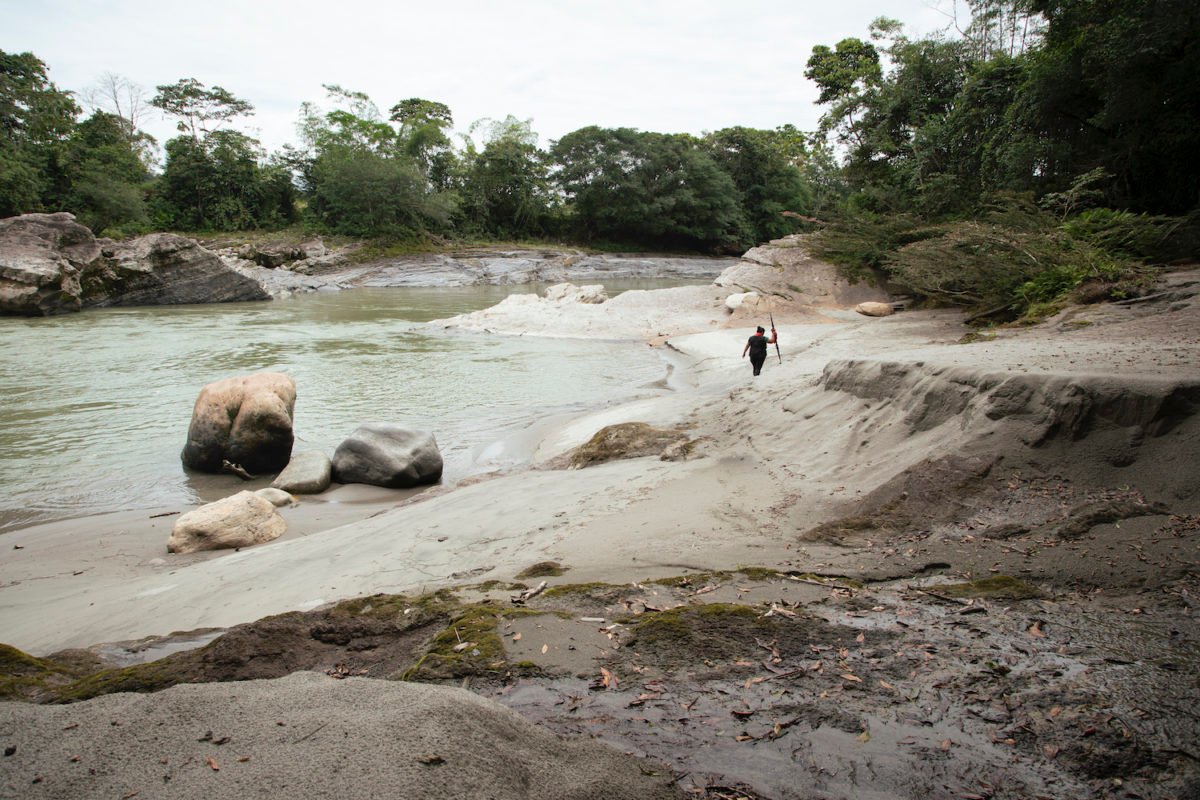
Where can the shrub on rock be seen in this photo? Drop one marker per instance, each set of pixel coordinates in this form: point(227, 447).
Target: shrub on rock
point(382, 454)
point(242, 520)
point(246, 420)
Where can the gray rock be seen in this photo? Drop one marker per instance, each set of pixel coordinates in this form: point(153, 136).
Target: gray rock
point(164, 269)
point(242, 520)
point(246, 420)
point(382, 454)
point(41, 258)
point(307, 473)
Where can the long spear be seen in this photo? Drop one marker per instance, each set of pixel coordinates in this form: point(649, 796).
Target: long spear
point(777, 354)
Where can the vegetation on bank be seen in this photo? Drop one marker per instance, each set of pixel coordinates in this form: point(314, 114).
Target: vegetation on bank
point(1036, 150)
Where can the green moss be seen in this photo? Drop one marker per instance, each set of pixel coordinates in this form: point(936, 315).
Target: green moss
point(152, 677)
point(470, 644)
point(23, 676)
point(594, 589)
point(390, 606)
point(976, 336)
point(542, 569)
point(760, 573)
point(695, 579)
point(996, 587)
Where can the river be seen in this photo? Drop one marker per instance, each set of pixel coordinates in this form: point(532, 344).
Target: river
point(94, 407)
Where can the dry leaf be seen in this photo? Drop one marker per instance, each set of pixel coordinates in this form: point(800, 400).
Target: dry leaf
point(850, 677)
point(864, 737)
point(1054, 712)
point(743, 737)
point(946, 744)
point(212, 762)
point(243, 759)
point(608, 679)
point(458, 648)
point(886, 685)
point(545, 647)
point(1036, 629)
point(862, 637)
point(1050, 750)
point(517, 636)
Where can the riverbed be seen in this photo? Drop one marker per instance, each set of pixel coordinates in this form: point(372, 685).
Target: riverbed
point(96, 405)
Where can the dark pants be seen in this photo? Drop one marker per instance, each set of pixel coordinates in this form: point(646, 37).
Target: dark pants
point(756, 361)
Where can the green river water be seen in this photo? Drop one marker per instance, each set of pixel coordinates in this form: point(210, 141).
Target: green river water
point(94, 407)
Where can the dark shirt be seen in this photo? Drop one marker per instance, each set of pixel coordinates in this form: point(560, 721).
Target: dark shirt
point(758, 345)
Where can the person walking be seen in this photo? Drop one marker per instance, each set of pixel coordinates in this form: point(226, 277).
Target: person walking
point(756, 346)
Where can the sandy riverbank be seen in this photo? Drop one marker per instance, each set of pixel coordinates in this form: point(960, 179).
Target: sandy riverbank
point(879, 450)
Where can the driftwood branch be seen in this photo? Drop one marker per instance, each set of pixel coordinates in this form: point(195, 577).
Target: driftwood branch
point(236, 469)
point(529, 593)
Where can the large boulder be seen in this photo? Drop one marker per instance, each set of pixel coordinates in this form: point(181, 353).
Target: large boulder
point(245, 420)
point(242, 520)
point(50, 264)
point(41, 258)
point(164, 269)
point(786, 271)
point(310, 472)
point(382, 454)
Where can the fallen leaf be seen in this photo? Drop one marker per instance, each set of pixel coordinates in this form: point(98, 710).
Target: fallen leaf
point(742, 714)
point(850, 677)
point(545, 647)
point(1054, 712)
point(243, 759)
point(1050, 750)
point(458, 648)
point(431, 761)
point(864, 737)
point(886, 685)
point(1036, 630)
point(608, 679)
point(517, 636)
point(212, 762)
point(946, 744)
point(862, 637)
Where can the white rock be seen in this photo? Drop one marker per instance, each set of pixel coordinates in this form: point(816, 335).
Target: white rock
point(242, 520)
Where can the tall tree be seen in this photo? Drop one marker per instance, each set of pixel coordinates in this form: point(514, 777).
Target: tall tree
point(200, 110)
point(35, 120)
point(505, 189)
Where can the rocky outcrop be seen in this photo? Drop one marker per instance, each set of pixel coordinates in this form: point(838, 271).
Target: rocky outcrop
point(164, 269)
point(242, 520)
point(49, 264)
point(514, 267)
point(246, 420)
point(310, 472)
point(41, 259)
point(785, 269)
point(382, 454)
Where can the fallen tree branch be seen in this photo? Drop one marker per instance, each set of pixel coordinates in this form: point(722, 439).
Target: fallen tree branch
point(529, 593)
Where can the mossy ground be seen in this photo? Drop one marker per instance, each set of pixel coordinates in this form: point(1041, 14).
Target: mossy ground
point(995, 587)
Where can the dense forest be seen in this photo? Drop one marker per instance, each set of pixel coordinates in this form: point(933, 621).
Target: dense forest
point(1031, 148)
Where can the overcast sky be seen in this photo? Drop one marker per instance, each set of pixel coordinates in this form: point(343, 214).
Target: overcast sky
point(656, 65)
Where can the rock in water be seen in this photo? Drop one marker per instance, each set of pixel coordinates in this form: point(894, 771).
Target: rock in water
point(41, 258)
point(306, 473)
point(246, 420)
point(242, 520)
point(164, 269)
point(382, 454)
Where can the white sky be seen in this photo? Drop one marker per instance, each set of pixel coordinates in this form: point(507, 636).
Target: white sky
point(657, 65)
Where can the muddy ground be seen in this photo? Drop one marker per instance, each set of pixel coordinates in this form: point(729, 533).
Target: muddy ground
point(1053, 657)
